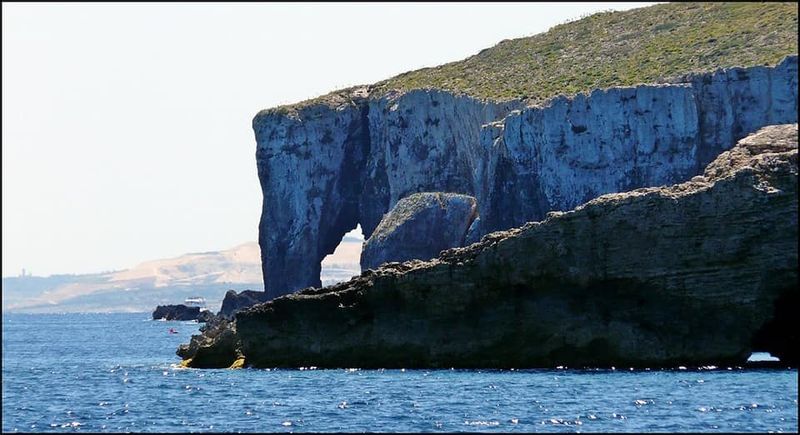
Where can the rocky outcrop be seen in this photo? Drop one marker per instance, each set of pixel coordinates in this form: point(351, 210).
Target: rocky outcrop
point(329, 165)
point(235, 302)
point(181, 312)
point(689, 274)
point(217, 346)
point(420, 226)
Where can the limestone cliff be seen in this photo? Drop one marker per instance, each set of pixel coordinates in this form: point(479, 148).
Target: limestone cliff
point(309, 202)
point(690, 274)
point(328, 165)
point(574, 149)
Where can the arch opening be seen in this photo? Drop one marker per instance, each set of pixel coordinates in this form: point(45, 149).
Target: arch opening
point(778, 337)
point(344, 262)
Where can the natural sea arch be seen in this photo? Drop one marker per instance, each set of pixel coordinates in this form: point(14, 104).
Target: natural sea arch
point(343, 263)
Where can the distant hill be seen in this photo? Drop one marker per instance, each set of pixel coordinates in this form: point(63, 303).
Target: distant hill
point(164, 281)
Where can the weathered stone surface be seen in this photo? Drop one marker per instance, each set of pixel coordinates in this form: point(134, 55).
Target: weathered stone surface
point(424, 141)
point(217, 345)
point(325, 168)
point(571, 150)
point(235, 302)
point(420, 226)
point(308, 203)
point(688, 274)
point(181, 312)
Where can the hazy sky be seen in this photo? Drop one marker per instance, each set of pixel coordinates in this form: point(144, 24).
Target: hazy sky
point(127, 127)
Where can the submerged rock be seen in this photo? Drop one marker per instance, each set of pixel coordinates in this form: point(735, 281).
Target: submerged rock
point(419, 227)
point(688, 274)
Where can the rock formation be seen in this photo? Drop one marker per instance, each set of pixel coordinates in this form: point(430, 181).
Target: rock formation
point(327, 165)
point(689, 274)
point(181, 312)
point(235, 302)
point(419, 227)
point(216, 343)
point(217, 340)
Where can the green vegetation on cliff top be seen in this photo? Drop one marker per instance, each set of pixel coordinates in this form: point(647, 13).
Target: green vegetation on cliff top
point(644, 45)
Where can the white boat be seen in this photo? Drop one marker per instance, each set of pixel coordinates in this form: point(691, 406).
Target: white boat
point(196, 301)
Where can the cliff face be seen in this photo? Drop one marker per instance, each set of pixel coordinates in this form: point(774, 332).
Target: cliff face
point(424, 141)
point(687, 274)
point(326, 167)
point(572, 150)
point(310, 165)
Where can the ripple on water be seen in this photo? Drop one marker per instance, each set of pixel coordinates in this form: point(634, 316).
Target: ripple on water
point(481, 423)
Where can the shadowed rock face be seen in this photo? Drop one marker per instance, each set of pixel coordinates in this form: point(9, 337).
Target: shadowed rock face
point(235, 302)
point(217, 345)
point(324, 168)
point(419, 227)
point(688, 274)
point(308, 203)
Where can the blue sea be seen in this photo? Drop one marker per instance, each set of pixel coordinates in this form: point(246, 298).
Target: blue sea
point(119, 372)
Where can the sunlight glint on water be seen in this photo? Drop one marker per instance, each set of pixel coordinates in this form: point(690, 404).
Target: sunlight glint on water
point(118, 372)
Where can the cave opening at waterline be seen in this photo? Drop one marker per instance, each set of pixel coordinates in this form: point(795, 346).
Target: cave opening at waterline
point(344, 262)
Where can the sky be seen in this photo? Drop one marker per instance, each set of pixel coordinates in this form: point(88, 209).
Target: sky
point(126, 129)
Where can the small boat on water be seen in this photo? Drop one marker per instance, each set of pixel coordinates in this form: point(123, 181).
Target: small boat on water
point(196, 301)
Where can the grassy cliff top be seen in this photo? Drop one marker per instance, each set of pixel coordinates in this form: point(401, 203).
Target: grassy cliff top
point(619, 49)
point(607, 49)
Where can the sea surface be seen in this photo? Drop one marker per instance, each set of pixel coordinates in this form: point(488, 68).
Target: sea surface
point(119, 372)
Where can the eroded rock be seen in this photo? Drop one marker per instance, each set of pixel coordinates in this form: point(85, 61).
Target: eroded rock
point(235, 302)
point(419, 227)
point(217, 345)
point(688, 274)
point(328, 166)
